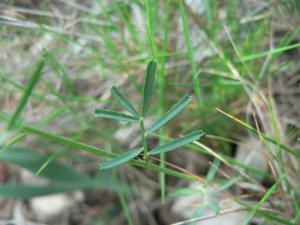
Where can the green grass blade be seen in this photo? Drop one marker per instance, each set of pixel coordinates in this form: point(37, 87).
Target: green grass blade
point(110, 114)
point(124, 101)
point(23, 101)
point(178, 142)
point(32, 191)
point(56, 154)
point(171, 113)
point(213, 169)
point(148, 87)
point(32, 161)
point(197, 86)
point(161, 84)
point(266, 196)
point(296, 202)
point(60, 72)
point(189, 49)
point(271, 52)
point(149, 31)
point(276, 134)
point(121, 159)
point(44, 121)
point(123, 199)
point(268, 216)
point(262, 134)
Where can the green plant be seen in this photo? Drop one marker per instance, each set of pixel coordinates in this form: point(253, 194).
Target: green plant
point(136, 117)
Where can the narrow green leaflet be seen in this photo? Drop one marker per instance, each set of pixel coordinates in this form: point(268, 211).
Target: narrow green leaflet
point(23, 101)
point(198, 212)
point(171, 113)
point(214, 206)
point(124, 101)
point(115, 115)
point(178, 142)
point(148, 87)
point(121, 159)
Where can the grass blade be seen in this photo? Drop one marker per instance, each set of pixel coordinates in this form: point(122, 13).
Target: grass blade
point(266, 196)
point(190, 49)
point(33, 160)
point(110, 114)
point(149, 30)
point(122, 198)
point(262, 134)
point(148, 87)
point(271, 52)
point(124, 101)
point(178, 142)
point(121, 159)
point(213, 169)
point(22, 103)
point(171, 113)
point(31, 191)
point(56, 154)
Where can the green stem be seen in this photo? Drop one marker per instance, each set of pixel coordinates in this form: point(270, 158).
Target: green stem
point(144, 136)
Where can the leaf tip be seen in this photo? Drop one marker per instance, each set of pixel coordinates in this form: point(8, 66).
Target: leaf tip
point(100, 166)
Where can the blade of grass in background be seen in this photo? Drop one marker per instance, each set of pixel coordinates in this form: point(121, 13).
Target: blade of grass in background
point(115, 53)
point(44, 121)
point(33, 160)
point(280, 154)
point(149, 31)
point(23, 101)
point(161, 85)
point(129, 25)
point(262, 134)
point(57, 153)
point(122, 198)
point(190, 50)
point(271, 52)
point(32, 191)
point(60, 71)
point(266, 196)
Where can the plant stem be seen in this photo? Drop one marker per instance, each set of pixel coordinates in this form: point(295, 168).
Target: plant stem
point(144, 136)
